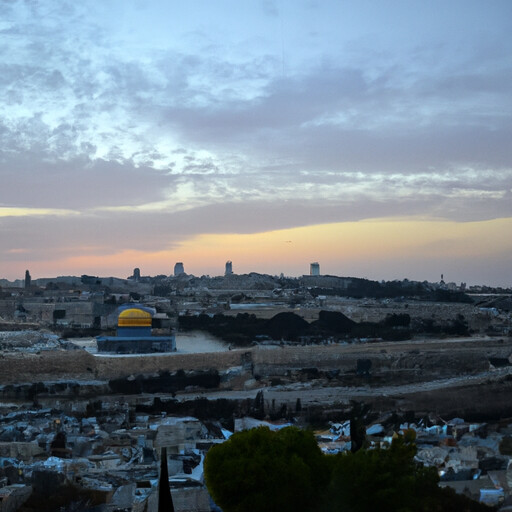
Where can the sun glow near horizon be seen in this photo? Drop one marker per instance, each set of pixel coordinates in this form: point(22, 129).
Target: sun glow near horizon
point(375, 248)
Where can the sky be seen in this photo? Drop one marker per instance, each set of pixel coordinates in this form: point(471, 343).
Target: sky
point(372, 137)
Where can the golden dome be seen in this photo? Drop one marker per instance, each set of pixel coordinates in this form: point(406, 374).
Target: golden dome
point(134, 317)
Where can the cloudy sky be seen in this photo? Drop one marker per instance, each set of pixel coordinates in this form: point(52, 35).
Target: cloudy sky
point(373, 137)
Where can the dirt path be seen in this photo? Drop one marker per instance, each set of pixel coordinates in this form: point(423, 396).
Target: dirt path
point(311, 395)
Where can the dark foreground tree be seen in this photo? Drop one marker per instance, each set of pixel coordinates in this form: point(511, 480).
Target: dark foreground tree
point(261, 470)
point(358, 414)
point(383, 479)
point(389, 480)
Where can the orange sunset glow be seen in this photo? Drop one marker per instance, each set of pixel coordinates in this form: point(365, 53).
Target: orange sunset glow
point(351, 248)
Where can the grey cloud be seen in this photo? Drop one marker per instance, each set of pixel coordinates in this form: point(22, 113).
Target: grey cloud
point(201, 168)
point(78, 183)
point(286, 103)
point(44, 237)
point(471, 82)
point(387, 120)
point(108, 233)
point(329, 120)
point(400, 150)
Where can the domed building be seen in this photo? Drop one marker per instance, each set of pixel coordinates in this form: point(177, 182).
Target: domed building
point(134, 333)
point(134, 322)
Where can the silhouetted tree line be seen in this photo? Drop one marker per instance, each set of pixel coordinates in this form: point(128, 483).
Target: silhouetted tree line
point(169, 381)
point(365, 288)
point(357, 288)
point(245, 328)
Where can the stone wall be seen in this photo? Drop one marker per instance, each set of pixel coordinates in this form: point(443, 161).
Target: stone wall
point(109, 367)
point(80, 365)
point(47, 365)
point(435, 358)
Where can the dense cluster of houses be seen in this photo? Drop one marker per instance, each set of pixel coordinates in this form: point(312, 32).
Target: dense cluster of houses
point(107, 456)
point(106, 459)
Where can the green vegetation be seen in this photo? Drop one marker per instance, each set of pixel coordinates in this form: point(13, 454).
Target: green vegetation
point(283, 471)
point(384, 479)
point(258, 470)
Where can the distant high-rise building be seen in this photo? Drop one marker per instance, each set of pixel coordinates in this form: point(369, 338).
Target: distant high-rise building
point(28, 279)
point(179, 269)
point(229, 268)
point(314, 269)
point(136, 274)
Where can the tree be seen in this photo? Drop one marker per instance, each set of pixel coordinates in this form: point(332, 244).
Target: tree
point(388, 479)
point(261, 470)
point(384, 479)
point(358, 415)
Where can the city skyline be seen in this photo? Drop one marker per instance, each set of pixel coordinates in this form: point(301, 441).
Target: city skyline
point(401, 237)
point(371, 137)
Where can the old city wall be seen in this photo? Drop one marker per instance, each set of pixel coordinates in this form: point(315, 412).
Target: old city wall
point(385, 357)
point(277, 361)
point(109, 367)
point(432, 358)
point(50, 365)
point(80, 365)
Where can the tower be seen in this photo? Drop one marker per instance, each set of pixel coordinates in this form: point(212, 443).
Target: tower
point(179, 269)
point(28, 279)
point(229, 268)
point(136, 274)
point(314, 269)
